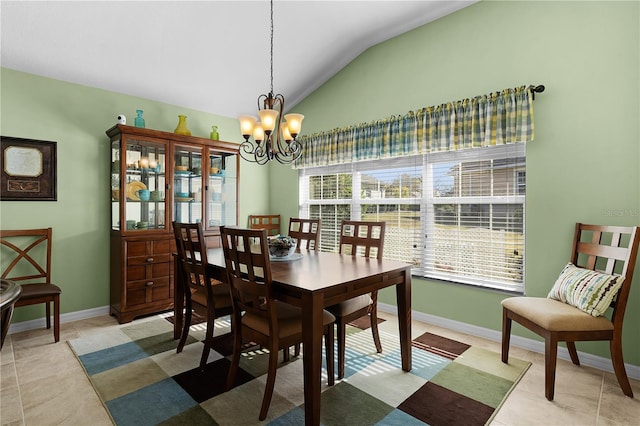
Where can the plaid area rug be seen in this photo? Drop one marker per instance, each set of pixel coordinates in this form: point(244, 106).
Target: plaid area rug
point(141, 380)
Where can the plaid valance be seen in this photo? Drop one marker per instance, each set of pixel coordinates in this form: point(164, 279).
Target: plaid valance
point(495, 119)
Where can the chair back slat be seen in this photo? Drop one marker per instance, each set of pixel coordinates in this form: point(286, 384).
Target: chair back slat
point(246, 255)
point(306, 232)
point(362, 237)
point(270, 222)
point(26, 255)
point(608, 249)
point(192, 253)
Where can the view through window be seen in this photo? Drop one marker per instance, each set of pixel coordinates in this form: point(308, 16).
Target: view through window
point(455, 216)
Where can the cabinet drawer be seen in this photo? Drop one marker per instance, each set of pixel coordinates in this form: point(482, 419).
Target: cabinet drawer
point(148, 291)
point(148, 259)
point(149, 271)
point(151, 247)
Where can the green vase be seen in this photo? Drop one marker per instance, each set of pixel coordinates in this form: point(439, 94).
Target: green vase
point(214, 133)
point(182, 128)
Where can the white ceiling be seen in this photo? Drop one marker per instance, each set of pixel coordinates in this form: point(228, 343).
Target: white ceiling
point(211, 56)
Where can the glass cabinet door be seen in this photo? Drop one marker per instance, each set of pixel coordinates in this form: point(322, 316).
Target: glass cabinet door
point(220, 193)
point(116, 177)
point(138, 181)
point(187, 184)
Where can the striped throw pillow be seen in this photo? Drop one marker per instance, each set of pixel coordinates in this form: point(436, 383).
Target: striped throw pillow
point(589, 291)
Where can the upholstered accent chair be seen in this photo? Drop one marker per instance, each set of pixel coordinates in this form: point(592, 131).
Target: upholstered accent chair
point(587, 302)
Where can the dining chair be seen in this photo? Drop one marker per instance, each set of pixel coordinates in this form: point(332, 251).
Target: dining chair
point(597, 277)
point(306, 232)
point(26, 259)
point(257, 315)
point(270, 222)
point(202, 291)
point(358, 238)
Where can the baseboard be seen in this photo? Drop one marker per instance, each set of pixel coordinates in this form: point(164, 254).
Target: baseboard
point(69, 317)
point(586, 359)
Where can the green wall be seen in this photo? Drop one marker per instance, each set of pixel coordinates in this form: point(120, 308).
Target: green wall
point(76, 117)
point(584, 163)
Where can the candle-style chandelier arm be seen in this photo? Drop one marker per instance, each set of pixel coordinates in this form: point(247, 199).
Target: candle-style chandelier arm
point(269, 102)
point(292, 152)
point(254, 153)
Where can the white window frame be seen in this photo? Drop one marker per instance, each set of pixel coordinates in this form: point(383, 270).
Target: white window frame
point(424, 164)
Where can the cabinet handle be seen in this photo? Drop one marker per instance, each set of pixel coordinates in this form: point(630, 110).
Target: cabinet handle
point(149, 284)
point(150, 259)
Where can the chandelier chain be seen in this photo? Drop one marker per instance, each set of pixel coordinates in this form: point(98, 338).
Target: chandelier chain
point(271, 46)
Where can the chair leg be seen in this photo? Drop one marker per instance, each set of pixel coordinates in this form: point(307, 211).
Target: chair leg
point(296, 352)
point(573, 353)
point(235, 358)
point(271, 380)
point(56, 318)
point(208, 338)
point(328, 343)
point(550, 359)
point(374, 329)
point(506, 335)
point(342, 331)
point(286, 354)
point(48, 314)
point(618, 366)
point(185, 327)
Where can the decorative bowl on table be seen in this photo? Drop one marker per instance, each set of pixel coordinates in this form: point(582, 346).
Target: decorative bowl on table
point(281, 246)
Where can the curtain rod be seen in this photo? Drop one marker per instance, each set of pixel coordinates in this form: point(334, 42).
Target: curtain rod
point(536, 89)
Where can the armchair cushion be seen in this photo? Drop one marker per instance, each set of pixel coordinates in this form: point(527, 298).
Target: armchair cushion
point(587, 290)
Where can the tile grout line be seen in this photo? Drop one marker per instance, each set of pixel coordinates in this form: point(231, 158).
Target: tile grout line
point(602, 384)
point(15, 372)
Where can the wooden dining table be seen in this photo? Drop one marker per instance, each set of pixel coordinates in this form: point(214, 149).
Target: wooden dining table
point(314, 281)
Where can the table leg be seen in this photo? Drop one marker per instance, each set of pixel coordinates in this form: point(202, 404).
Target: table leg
point(312, 306)
point(178, 299)
point(403, 296)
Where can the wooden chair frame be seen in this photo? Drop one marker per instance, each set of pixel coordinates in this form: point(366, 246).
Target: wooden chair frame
point(356, 235)
point(36, 286)
point(306, 231)
point(270, 222)
point(198, 278)
point(592, 253)
point(249, 274)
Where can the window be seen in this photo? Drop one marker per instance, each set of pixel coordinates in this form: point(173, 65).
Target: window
point(456, 216)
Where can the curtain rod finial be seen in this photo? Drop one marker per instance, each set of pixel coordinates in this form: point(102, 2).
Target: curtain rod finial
point(536, 89)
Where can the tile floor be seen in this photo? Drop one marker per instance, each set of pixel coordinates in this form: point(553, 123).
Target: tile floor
point(42, 383)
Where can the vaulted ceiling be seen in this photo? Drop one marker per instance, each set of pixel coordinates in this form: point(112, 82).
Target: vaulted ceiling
point(211, 56)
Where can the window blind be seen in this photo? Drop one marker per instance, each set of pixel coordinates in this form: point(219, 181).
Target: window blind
point(456, 216)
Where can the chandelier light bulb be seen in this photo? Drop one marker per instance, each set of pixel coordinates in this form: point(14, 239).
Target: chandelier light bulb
point(294, 123)
point(268, 119)
point(284, 128)
point(247, 123)
point(258, 133)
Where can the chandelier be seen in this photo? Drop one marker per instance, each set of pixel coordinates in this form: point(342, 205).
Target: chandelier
point(273, 138)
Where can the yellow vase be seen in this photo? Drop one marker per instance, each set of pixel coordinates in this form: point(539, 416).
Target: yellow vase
point(182, 128)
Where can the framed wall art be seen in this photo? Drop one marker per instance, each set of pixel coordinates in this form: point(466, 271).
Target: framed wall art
point(28, 170)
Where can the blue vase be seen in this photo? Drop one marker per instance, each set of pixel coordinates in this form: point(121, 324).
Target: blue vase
point(139, 121)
